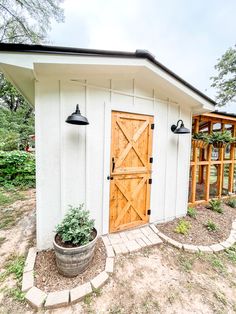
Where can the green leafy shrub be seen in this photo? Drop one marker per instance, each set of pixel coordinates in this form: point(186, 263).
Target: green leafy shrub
point(231, 202)
point(191, 212)
point(216, 206)
point(76, 227)
point(211, 226)
point(183, 227)
point(17, 168)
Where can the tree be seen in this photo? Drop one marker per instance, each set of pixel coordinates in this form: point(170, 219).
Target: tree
point(225, 81)
point(28, 21)
point(21, 21)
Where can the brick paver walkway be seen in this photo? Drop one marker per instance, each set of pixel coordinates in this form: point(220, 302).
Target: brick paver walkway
point(132, 240)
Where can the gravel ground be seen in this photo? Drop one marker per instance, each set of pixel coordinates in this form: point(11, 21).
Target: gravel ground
point(198, 233)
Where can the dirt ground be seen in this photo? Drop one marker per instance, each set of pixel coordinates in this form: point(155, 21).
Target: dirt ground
point(160, 279)
point(198, 234)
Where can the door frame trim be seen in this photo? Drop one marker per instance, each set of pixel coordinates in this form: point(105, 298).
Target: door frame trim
point(128, 108)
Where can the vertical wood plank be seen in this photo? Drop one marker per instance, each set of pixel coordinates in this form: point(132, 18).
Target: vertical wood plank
point(208, 167)
point(194, 167)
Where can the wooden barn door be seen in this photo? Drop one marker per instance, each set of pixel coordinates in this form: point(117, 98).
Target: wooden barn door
point(130, 170)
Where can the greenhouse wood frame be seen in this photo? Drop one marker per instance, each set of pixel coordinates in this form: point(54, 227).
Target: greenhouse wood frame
point(204, 161)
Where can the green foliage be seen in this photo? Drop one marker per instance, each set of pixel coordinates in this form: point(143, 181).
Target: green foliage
point(14, 266)
point(16, 120)
point(231, 253)
point(186, 263)
point(217, 263)
point(216, 206)
point(16, 294)
point(191, 212)
point(8, 197)
point(76, 227)
point(220, 137)
point(225, 80)
point(211, 226)
point(201, 136)
point(183, 227)
point(231, 202)
point(17, 169)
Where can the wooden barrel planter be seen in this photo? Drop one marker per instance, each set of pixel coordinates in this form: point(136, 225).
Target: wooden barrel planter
point(199, 143)
point(72, 261)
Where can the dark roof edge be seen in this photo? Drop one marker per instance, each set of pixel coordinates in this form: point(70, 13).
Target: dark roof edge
point(224, 113)
point(144, 54)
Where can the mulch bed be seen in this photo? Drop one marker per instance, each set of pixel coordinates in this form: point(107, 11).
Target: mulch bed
point(48, 279)
point(198, 233)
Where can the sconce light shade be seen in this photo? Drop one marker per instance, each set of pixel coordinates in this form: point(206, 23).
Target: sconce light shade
point(77, 118)
point(179, 129)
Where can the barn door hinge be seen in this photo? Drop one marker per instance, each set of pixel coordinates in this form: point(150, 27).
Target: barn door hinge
point(152, 126)
point(150, 181)
point(151, 160)
point(149, 212)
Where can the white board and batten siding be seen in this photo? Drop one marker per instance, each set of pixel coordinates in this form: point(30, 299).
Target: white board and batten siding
point(73, 162)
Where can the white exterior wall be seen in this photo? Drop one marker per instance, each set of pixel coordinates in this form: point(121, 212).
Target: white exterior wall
point(73, 161)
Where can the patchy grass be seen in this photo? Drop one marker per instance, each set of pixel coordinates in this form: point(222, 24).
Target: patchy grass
point(217, 263)
point(231, 253)
point(16, 294)
point(8, 197)
point(14, 266)
point(186, 262)
point(150, 304)
point(9, 216)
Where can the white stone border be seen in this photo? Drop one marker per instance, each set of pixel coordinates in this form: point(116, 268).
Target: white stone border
point(39, 299)
point(202, 248)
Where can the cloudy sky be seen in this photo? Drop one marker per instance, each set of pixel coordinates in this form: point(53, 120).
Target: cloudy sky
point(188, 36)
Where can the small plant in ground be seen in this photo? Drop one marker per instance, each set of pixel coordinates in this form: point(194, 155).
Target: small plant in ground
point(211, 226)
point(216, 206)
point(217, 264)
point(183, 227)
point(186, 263)
point(16, 294)
point(231, 253)
point(231, 202)
point(76, 227)
point(191, 212)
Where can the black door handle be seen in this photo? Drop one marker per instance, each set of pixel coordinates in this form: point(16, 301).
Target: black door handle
point(113, 164)
point(109, 178)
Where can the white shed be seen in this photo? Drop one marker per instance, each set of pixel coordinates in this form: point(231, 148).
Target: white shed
point(126, 166)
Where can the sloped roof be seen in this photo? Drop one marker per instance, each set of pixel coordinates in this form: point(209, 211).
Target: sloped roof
point(143, 54)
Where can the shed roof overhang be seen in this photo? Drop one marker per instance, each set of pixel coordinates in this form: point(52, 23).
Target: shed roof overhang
point(23, 64)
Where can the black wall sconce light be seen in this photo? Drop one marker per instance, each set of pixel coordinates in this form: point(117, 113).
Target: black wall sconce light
point(77, 118)
point(179, 129)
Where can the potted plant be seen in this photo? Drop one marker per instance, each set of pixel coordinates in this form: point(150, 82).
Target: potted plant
point(220, 139)
point(200, 140)
point(74, 242)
